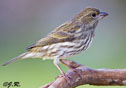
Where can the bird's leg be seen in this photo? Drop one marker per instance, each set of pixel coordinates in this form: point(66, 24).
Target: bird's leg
point(71, 65)
point(56, 62)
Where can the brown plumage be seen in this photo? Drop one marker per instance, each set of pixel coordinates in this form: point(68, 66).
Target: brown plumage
point(69, 39)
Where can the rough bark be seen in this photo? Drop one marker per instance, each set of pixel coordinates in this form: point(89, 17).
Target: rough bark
point(80, 75)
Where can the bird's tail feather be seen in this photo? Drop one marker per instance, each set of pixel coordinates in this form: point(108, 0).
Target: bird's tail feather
point(15, 59)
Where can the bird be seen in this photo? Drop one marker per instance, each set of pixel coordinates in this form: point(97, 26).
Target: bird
point(69, 39)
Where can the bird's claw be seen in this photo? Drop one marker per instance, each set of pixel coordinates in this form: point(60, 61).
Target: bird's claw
point(65, 77)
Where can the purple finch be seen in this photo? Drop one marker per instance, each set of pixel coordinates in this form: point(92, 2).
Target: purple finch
point(70, 38)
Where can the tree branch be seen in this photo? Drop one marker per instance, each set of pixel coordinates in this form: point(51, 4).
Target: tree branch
point(80, 75)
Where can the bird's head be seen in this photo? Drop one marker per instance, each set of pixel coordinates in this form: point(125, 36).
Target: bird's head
point(90, 16)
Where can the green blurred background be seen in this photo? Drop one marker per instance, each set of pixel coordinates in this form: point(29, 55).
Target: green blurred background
point(23, 22)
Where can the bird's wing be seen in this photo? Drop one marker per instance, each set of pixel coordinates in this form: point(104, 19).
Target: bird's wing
point(57, 36)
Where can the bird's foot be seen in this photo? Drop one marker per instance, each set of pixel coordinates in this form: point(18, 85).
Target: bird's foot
point(65, 77)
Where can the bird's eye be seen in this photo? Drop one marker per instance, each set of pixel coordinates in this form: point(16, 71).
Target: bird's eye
point(93, 15)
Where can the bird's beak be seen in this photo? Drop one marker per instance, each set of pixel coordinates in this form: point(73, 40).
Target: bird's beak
point(102, 15)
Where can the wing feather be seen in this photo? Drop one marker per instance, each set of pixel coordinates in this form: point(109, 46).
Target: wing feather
point(53, 38)
point(61, 34)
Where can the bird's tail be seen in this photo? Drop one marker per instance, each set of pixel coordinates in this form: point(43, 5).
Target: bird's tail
point(15, 59)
